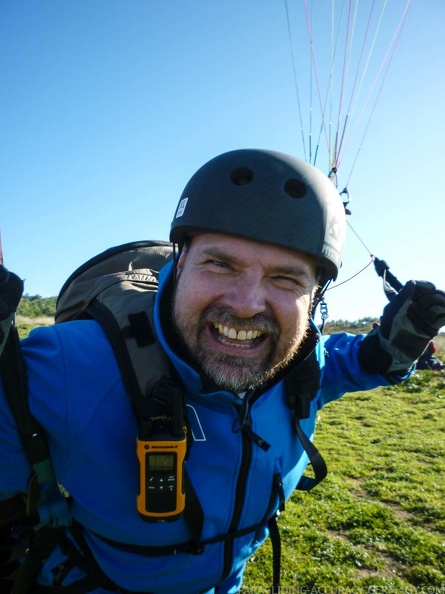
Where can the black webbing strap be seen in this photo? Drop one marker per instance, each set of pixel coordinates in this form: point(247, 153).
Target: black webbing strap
point(193, 513)
point(302, 383)
point(43, 543)
point(315, 458)
point(15, 385)
point(186, 547)
point(78, 556)
point(11, 510)
point(301, 386)
point(275, 538)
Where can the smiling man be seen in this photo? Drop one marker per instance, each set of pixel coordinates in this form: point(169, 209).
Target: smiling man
point(251, 312)
point(258, 237)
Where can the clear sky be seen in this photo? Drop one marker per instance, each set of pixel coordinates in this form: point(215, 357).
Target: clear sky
point(107, 107)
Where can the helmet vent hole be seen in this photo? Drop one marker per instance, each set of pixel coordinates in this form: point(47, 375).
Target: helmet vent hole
point(241, 176)
point(295, 188)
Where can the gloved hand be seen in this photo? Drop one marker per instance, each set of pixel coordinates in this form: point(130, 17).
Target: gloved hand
point(11, 290)
point(380, 266)
point(409, 322)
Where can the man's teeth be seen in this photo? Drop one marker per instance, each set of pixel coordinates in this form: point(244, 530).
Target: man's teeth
point(237, 334)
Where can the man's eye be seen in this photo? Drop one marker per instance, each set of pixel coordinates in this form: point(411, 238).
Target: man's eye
point(287, 280)
point(218, 263)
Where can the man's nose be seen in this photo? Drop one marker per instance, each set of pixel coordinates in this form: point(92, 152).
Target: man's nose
point(246, 297)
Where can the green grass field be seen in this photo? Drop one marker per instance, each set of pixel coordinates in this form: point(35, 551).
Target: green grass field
point(377, 523)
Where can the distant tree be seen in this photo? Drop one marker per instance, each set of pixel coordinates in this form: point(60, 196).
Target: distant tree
point(362, 326)
point(34, 306)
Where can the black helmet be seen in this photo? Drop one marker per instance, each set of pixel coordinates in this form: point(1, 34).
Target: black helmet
point(269, 197)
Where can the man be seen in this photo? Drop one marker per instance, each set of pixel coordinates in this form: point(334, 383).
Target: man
point(260, 236)
point(252, 313)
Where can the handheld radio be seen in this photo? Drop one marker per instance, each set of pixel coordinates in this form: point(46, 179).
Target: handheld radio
point(161, 491)
point(161, 448)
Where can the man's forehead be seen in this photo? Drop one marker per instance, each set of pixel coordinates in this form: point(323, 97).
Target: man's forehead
point(239, 248)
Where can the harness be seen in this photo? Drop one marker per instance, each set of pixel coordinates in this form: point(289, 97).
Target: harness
point(155, 391)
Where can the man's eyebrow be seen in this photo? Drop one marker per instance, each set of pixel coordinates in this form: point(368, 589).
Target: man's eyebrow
point(218, 253)
point(297, 270)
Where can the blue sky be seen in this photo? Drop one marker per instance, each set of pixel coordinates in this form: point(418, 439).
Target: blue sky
point(107, 107)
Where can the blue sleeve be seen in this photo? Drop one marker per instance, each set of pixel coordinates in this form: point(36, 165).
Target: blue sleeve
point(341, 371)
point(67, 364)
point(14, 467)
point(44, 365)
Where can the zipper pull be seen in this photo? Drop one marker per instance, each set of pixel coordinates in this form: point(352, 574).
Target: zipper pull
point(259, 441)
point(278, 482)
point(243, 423)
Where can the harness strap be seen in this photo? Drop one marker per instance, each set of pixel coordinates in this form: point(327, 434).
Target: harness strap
point(315, 458)
point(82, 586)
point(194, 515)
point(13, 373)
point(44, 542)
point(82, 557)
point(301, 386)
point(79, 556)
point(275, 538)
point(185, 547)
point(11, 510)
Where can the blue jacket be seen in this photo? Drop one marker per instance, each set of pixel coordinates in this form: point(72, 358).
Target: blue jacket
point(77, 394)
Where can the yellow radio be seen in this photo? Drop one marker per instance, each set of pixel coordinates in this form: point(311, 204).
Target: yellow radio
point(161, 469)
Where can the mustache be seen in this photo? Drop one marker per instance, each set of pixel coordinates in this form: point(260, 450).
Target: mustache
point(220, 314)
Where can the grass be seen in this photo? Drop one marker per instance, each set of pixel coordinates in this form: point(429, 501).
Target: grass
point(25, 324)
point(377, 523)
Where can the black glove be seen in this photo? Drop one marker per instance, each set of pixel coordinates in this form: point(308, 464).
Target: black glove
point(380, 266)
point(409, 322)
point(11, 290)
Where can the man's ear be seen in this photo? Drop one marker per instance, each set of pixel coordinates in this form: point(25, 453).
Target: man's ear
point(183, 255)
point(180, 262)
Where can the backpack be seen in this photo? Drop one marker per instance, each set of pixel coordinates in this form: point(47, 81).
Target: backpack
point(117, 288)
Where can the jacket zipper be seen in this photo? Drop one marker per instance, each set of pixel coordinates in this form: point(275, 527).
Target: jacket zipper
point(246, 457)
point(247, 437)
point(277, 493)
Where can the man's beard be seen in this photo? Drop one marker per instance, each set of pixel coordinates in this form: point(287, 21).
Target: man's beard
point(236, 373)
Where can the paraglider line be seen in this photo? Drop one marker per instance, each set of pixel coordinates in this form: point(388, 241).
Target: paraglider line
point(360, 239)
point(295, 80)
point(353, 276)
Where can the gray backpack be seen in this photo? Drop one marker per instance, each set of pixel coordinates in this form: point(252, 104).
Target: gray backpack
point(117, 288)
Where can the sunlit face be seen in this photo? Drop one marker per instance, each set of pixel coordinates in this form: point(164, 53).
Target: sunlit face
point(242, 307)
